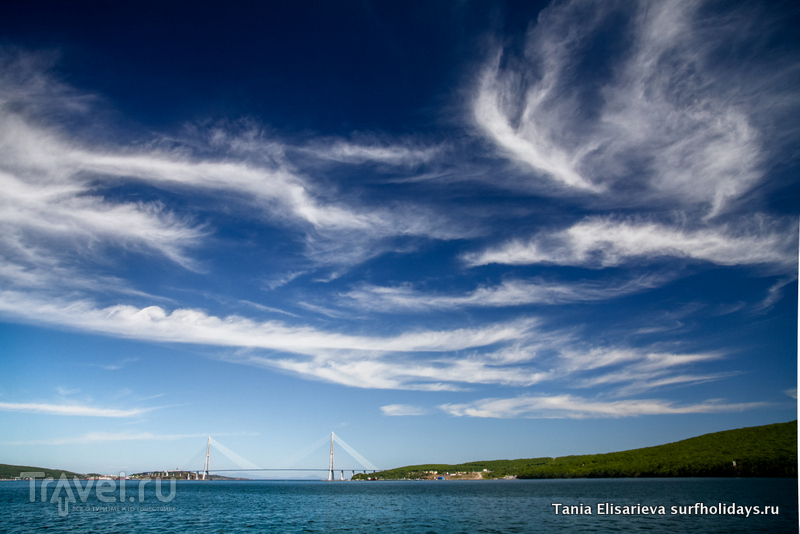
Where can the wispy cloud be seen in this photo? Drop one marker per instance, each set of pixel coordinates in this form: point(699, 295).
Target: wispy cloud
point(70, 409)
point(631, 372)
point(102, 437)
point(571, 407)
point(526, 142)
point(402, 410)
point(656, 118)
point(605, 242)
point(58, 202)
point(603, 357)
point(372, 151)
point(120, 364)
point(35, 212)
point(517, 353)
point(322, 310)
point(154, 323)
point(401, 371)
point(508, 293)
point(283, 280)
point(775, 293)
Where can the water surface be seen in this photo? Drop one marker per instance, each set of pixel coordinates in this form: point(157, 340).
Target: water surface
point(405, 506)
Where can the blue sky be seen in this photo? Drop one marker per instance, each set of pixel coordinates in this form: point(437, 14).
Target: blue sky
point(446, 231)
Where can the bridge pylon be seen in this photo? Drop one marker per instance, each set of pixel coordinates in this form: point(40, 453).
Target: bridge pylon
point(330, 464)
point(208, 452)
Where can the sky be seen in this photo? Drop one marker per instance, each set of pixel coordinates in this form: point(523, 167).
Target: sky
point(445, 231)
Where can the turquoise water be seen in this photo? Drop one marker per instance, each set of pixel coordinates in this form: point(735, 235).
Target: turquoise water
point(404, 507)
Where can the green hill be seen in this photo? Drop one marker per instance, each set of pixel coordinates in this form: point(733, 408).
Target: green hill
point(762, 451)
point(13, 471)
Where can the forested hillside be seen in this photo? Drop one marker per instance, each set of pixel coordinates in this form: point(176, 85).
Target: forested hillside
point(763, 451)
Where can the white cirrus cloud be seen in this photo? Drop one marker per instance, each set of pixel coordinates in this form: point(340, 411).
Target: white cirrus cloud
point(632, 372)
point(402, 410)
point(154, 323)
point(527, 142)
point(60, 199)
point(69, 409)
point(775, 293)
point(513, 292)
point(36, 216)
point(403, 370)
point(517, 353)
point(572, 407)
point(372, 152)
point(598, 358)
point(102, 437)
point(537, 358)
point(657, 117)
point(605, 242)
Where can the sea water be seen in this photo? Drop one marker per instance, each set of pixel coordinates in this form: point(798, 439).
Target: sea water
point(578, 505)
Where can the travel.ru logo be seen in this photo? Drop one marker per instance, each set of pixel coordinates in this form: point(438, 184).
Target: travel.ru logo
point(105, 490)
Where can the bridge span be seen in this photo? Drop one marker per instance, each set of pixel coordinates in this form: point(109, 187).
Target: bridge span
point(368, 467)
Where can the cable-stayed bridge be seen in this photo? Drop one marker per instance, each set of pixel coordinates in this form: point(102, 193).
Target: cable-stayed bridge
point(248, 466)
